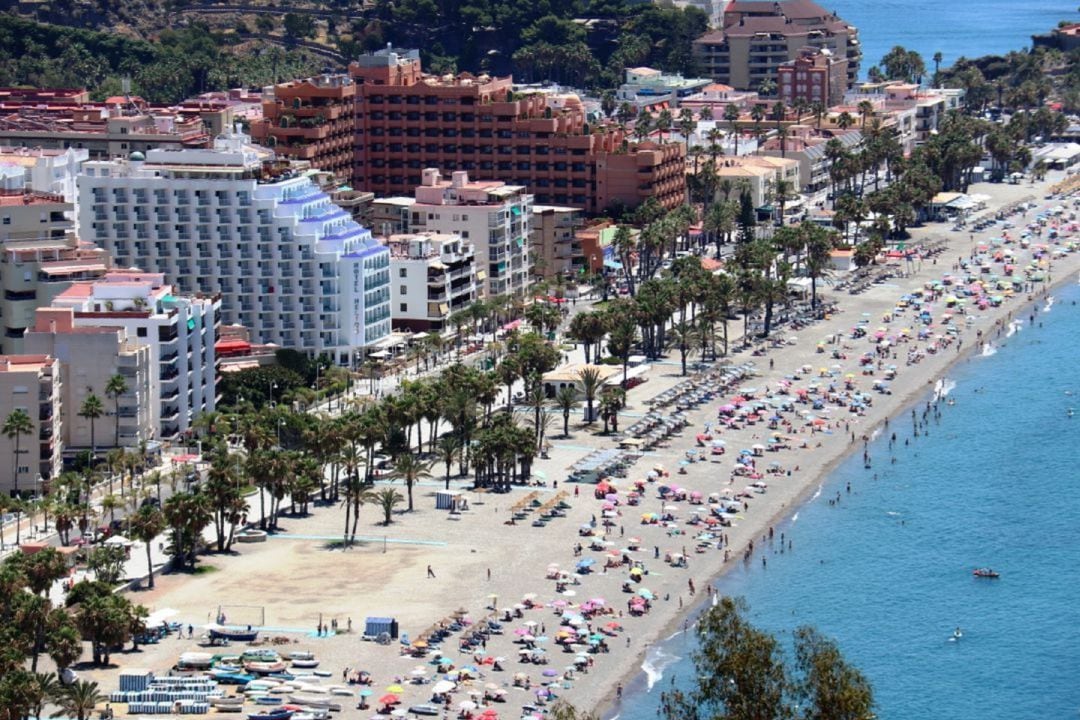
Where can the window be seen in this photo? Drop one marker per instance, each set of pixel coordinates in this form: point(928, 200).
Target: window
point(140, 332)
point(404, 290)
point(403, 272)
point(404, 307)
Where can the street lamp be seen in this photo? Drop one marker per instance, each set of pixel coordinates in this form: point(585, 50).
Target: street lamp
point(280, 423)
point(273, 386)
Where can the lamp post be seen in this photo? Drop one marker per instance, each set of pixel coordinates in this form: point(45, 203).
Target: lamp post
point(273, 386)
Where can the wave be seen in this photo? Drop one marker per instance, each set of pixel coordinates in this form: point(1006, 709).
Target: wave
point(943, 387)
point(795, 518)
point(988, 350)
point(656, 662)
point(876, 434)
point(1014, 327)
point(1049, 303)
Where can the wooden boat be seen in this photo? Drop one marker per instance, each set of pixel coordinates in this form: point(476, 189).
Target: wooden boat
point(301, 655)
point(233, 634)
point(226, 701)
point(315, 701)
point(305, 663)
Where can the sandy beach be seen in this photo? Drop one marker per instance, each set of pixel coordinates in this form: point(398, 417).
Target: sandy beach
point(429, 563)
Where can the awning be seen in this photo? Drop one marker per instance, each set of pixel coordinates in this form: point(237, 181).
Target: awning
point(613, 264)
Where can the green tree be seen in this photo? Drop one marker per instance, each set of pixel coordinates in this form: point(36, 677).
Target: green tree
point(114, 388)
point(567, 400)
point(16, 425)
point(410, 469)
point(590, 386)
point(92, 409)
point(387, 499)
point(830, 688)
point(146, 525)
point(78, 700)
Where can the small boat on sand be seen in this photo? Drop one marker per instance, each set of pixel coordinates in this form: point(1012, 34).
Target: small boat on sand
point(233, 634)
point(986, 572)
point(278, 714)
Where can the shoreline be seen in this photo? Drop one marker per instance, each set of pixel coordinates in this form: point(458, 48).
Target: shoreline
point(607, 706)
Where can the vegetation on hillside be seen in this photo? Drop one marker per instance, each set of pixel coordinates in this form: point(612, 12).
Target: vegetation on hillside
point(181, 63)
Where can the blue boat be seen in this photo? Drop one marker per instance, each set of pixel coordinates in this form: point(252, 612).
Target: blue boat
point(278, 714)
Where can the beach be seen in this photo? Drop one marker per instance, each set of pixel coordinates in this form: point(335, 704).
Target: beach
point(429, 564)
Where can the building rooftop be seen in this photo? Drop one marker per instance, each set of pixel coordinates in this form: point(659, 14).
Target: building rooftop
point(15, 198)
point(24, 363)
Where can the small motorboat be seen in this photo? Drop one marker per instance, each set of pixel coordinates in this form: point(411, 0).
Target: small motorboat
point(278, 714)
point(305, 663)
point(986, 572)
point(956, 635)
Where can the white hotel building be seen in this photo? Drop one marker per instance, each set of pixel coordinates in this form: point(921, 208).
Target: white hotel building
point(289, 264)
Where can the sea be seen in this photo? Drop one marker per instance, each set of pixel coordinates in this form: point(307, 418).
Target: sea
point(959, 28)
point(885, 567)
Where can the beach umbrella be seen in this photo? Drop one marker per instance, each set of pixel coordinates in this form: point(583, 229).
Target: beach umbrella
point(367, 692)
point(399, 712)
point(389, 699)
point(395, 689)
point(550, 672)
point(466, 705)
point(646, 593)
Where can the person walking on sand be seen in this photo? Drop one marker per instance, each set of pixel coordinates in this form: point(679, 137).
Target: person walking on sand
point(430, 572)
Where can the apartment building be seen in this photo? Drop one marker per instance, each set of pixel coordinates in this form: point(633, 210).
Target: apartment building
point(31, 383)
point(104, 130)
point(179, 331)
point(761, 175)
point(646, 87)
point(494, 217)
point(807, 146)
point(758, 36)
point(29, 215)
point(233, 221)
point(433, 275)
point(33, 272)
point(914, 112)
point(815, 76)
point(406, 121)
point(555, 251)
point(311, 120)
point(89, 357)
point(45, 170)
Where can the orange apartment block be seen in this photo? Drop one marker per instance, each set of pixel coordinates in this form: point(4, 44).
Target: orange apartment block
point(405, 121)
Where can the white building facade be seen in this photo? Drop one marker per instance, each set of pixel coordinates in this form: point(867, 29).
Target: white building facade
point(495, 218)
point(288, 263)
point(432, 275)
point(179, 330)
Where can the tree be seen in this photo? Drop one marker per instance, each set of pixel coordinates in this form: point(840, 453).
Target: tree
point(106, 620)
point(114, 388)
point(409, 469)
point(830, 688)
point(78, 700)
point(902, 64)
point(567, 400)
point(92, 409)
point(590, 386)
point(937, 67)
point(187, 514)
point(387, 499)
point(740, 671)
point(145, 526)
point(449, 448)
point(107, 563)
point(16, 425)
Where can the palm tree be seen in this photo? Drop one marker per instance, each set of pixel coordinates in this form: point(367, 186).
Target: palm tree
point(78, 700)
point(109, 503)
point(683, 336)
point(937, 65)
point(387, 499)
point(18, 423)
point(731, 114)
point(410, 468)
point(844, 121)
point(612, 400)
point(590, 386)
point(144, 526)
point(866, 111)
point(567, 401)
point(449, 448)
point(92, 409)
point(114, 388)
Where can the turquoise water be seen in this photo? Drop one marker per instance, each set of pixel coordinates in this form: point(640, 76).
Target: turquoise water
point(886, 571)
point(968, 28)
